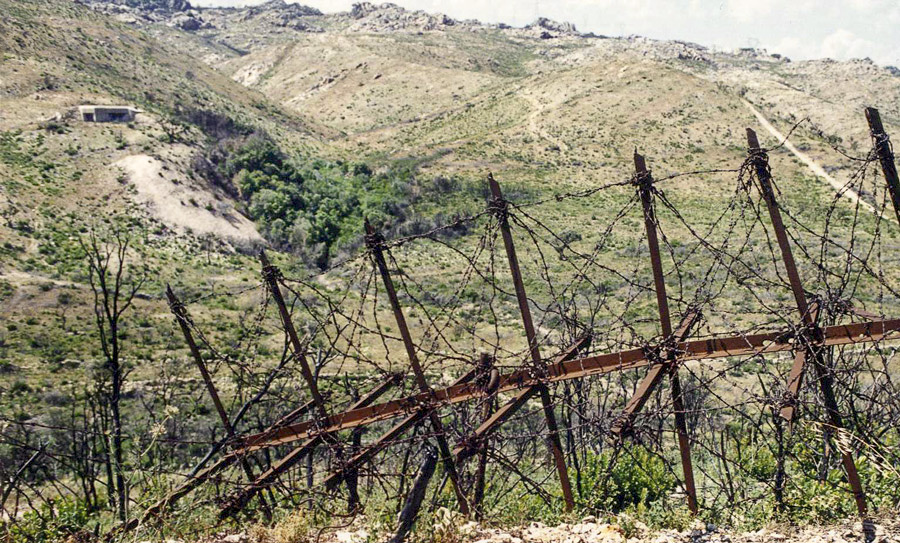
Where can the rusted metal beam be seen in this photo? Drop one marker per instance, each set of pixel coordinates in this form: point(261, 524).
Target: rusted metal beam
point(375, 245)
point(885, 153)
point(184, 322)
point(272, 276)
point(295, 414)
point(624, 422)
point(644, 181)
point(701, 349)
point(501, 415)
point(171, 498)
point(760, 162)
point(810, 336)
point(501, 209)
point(383, 441)
point(240, 499)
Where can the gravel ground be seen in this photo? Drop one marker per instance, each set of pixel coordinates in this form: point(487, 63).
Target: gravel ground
point(589, 530)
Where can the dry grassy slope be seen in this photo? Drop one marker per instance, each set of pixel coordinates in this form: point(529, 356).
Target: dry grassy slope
point(563, 113)
point(498, 100)
point(60, 178)
point(545, 115)
point(358, 82)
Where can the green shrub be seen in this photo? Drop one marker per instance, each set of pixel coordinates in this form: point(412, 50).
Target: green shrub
point(51, 522)
point(636, 478)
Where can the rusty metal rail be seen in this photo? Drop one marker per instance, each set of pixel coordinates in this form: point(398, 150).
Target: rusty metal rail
point(704, 349)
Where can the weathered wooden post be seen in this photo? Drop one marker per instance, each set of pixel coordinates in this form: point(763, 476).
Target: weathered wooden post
point(501, 209)
point(644, 182)
point(812, 334)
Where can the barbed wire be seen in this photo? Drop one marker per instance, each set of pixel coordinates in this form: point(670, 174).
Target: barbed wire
point(462, 304)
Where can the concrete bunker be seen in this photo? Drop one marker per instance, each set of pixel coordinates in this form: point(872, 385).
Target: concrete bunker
point(107, 114)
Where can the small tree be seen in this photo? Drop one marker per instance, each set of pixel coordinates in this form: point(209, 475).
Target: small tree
point(114, 291)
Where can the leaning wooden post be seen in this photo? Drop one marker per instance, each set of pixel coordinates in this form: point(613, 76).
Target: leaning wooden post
point(500, 207)
point(644, 181)
point(488, 380)
point(184, 321)
point(375, 244)
point(812, 336)
point(272, 276)
point(885, 154)
point(415, 497)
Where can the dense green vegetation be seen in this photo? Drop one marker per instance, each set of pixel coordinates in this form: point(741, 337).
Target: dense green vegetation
point(315, 208)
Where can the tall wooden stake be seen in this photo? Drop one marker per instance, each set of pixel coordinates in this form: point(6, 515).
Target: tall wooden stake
point(885, 155)
point(488, 372)
point(500, 206)
point(375, 244)
point(645, 182)
point(184, 321)
point(814, 352)
point(271, 276)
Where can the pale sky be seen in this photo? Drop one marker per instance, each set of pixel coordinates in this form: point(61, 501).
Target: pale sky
point(799, 29)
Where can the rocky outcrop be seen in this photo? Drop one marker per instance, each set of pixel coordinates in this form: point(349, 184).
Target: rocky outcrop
point(393, 18)
point(188, 21)
point(150, 5)
point(543, 23)
point(280, 14)
point(361, 9)
point(283, 8)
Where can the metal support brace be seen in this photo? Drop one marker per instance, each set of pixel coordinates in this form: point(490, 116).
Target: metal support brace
point(375, 243)
point(184, 321)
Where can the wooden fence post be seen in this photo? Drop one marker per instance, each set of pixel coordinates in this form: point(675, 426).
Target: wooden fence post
point(500, 206)
point(812, 337)
point(645, 183)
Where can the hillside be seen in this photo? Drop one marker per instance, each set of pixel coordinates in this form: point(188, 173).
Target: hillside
point(278, 126)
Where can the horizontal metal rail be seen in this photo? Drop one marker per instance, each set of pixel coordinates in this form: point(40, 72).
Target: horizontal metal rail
point(740, 345)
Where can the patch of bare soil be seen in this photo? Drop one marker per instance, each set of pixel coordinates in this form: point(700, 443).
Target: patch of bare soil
point(182, 203)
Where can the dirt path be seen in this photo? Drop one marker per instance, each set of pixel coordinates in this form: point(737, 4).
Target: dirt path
point(818, 170)
point(533, 121)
